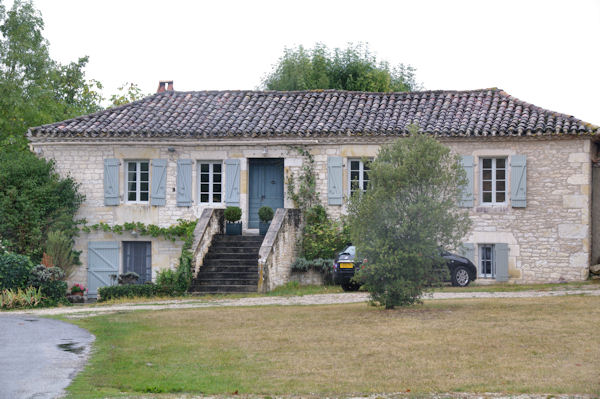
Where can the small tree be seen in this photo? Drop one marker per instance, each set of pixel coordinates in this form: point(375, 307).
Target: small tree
point(408, 213)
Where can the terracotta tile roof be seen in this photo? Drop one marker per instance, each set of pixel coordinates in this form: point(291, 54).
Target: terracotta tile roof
point(327, 113)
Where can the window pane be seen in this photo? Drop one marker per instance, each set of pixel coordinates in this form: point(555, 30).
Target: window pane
point(354, 185)
point(354, 175)
point(216, 188)
point(500, 174)
point(216, 197)
point(365, 185)
point(487, 186)
point(144, 196)
point(143, 186)
point(487, 197)
point(487, 163)
point(144, 176)
point(500, 185)
point(131, 196)
point(204, 167)
point(500, 163)
point(203, 197)
point(204, 178)
point(131, 166)
point(217, 167)
point(500, 197)
point(354, 165)
point(365, 175)
point(204, 188)
point(131, 186)
point(487, 175)
point(144, 166)
point(217, 178)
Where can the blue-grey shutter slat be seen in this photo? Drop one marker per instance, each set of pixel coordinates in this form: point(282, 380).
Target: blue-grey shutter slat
point(232, 182)
point(184, 182)
point(111, 182)
point(103, 261)
point(466, 200)
point(158, 195)
point(334, 180)
point(468, 251)
point(501, 257)
point(518, 181)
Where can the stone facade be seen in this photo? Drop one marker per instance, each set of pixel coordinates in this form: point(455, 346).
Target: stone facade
point(548, 240)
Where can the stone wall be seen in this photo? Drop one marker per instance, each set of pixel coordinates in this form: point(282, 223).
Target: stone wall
point(279, 249)
point(309, 277)
point(210, 223)
point(548, 240)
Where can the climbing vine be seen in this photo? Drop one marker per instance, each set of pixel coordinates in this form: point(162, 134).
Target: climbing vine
point(182, 230)
point(305, 196)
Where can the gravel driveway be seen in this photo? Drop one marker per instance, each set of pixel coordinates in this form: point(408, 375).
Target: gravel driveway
point(319, 299)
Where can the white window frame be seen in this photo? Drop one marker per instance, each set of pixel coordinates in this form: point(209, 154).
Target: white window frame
point(361, 174)
point(494, 181)
point(211, 182)
point(138, 191)
point(492, 274)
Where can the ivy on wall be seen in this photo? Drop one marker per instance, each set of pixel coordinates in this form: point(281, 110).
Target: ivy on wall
point(182, 230)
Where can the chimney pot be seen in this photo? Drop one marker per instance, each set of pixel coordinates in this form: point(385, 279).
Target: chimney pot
point(164, 85)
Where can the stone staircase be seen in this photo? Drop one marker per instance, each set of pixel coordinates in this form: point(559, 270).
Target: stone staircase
point(229, 266)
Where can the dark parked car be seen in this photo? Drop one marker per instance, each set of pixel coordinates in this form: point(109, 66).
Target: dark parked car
point(462, 270)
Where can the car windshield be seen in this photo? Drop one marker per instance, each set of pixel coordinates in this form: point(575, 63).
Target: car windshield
point(351, 250)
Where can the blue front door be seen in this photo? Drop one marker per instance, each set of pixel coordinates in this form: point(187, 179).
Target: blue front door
point(265, 187)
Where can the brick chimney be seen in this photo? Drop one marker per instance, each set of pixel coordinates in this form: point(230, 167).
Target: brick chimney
point(164, 85)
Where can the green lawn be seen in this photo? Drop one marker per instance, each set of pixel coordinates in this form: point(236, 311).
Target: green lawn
point(538, 345)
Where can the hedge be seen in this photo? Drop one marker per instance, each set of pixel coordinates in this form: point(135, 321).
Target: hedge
point(127, 291)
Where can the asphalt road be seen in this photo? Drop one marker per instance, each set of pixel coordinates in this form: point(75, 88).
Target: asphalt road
point(39, 357)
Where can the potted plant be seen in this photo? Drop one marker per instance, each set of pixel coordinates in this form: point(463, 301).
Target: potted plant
point(265, 215)
point(233, 226)
point(78, 289)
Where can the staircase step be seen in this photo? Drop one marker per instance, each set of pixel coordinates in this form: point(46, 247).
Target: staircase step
point(242, 238)
point(227, 269)
point(228, 275)
point(231, 255)
point(233, 250)
point(229, 289)
point(231, 262)
point(237, 244)
point(224, 281)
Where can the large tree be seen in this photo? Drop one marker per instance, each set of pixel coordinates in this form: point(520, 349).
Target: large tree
point(35, 89)
point(406, 216)
point(353, 68)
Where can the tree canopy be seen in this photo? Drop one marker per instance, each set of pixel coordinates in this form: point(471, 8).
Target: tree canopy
point(353, 68)
point(35, 89)
point(408, 213)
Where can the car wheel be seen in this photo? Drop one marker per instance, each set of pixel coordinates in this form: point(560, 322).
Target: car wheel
point(460, 276)
point(349, 287)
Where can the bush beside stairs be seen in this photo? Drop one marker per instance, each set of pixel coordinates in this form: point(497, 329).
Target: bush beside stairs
point(230, 266)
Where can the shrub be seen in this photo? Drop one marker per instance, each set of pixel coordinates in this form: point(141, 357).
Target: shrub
point(14, 271)
point(28, 298)
point(147, 290)
point(34, 199)
point(408, 213)
point(265, 214)
point(48, 279)
point(233, 214)
point(59, 248)
point(167, 282)
point(322, 237)
point(324, 266)
point(128, 278)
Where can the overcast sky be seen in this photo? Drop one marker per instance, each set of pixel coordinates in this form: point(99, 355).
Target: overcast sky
point(543, 52)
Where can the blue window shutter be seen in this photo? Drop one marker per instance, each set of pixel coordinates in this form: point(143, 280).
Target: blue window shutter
point(111, 182)
point(184, 182)
point(501, 257)
point(468, 251)
point(103, 261)
point(334, 180)
point(518, 181)
point(158, 194)
point(466, 200)
point(232, 182)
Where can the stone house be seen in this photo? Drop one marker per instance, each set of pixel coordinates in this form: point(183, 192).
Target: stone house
point(186, 155)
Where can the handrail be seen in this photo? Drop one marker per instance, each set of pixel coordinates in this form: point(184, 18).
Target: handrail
point(278, 249)
point(211, 222)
